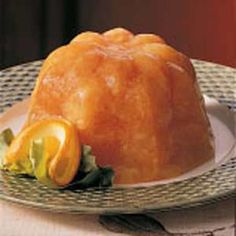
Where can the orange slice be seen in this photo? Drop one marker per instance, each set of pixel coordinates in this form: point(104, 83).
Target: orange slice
point(52, 146)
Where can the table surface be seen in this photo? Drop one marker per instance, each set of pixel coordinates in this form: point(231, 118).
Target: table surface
point(215, 219)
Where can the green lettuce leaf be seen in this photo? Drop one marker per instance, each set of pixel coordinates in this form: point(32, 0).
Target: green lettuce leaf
point(6, 137)
point(40, 159)
point(90, 174)
point(88, 161)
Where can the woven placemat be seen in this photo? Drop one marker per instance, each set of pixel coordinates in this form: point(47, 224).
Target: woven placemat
point(217, 81)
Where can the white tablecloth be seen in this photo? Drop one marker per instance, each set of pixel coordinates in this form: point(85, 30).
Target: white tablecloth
point(16, 220)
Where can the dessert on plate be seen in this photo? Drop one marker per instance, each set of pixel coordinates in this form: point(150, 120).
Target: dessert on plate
point(134, 99)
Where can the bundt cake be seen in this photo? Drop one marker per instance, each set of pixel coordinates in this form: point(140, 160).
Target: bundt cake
point(134, 99)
